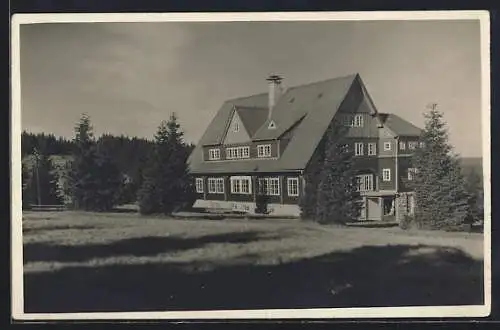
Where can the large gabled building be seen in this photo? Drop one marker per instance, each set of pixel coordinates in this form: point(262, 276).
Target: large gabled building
point(268, 140)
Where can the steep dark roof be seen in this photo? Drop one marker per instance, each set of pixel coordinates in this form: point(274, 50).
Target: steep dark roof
point(298, 101)
point(216, 129)
point(398, 125)
point(252, 118)
point(317, 103)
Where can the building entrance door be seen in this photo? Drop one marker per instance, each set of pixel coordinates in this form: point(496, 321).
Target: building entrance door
point(388, 208)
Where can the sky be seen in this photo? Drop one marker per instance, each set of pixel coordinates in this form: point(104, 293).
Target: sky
point(128, 77)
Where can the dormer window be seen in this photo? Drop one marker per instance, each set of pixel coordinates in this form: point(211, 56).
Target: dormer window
point(214, 154)
point(236, 127)
point(264, 150)
point(272, 125)
point(353, 120)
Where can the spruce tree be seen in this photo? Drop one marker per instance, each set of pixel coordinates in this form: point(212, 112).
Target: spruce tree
point(94, 178)
point(42, 189)
point(330, 194)
point(440, 196)
point(474, 187)
point(337, 196)
point(25, 178)
point(166, 185)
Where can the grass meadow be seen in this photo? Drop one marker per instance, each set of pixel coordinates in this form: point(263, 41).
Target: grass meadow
point(103, 262)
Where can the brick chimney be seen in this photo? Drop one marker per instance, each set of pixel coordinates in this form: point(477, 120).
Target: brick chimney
point(275, 90)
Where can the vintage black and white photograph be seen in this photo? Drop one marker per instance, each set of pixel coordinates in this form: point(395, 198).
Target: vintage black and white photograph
point(251, 166)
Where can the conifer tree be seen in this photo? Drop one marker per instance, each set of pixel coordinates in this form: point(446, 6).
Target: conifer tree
point(440, 196)
point(338, 198)
point(475, 200)
point(94, 178)
point(331, 194)
point(25, 178)
point(166, 184)
point(41, 189)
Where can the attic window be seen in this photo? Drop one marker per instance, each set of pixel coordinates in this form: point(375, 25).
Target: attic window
point(272, 125)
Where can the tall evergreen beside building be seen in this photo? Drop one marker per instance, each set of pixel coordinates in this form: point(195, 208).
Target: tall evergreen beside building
point(166, 186)
point(441, 198)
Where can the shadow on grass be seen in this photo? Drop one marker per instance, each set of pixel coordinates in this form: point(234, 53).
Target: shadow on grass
point(399, 275)
point(142, 246)
point(30, 230)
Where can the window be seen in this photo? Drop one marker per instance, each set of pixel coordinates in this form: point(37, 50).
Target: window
point(411, 173)
point(386, 174)
point(241, 185)
point(293, 186)
point(269, 186)
point(246, 152)
point(344, 148)
point(358, 149)
point(263, 150)
point(402, 145)
point(238, 152)
point(199, 185)
point(412, 145)
point(422, 144)
point(358, 121)
point(352, 121)
point(364, 182)
point(213, 154)
point(236, 127)
point(387, 146)
point(372, 149)
point(215, 185)
point(271, 125)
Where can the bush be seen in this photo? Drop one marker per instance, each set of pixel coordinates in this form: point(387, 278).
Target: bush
point(407, 222)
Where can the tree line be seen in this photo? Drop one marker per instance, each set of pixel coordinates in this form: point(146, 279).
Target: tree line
point(103, 172)
point(97, 174)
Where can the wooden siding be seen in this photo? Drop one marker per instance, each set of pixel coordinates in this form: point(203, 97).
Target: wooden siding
point(390, 164)
point(284, 198)
point(253, 150)
point(404, 163)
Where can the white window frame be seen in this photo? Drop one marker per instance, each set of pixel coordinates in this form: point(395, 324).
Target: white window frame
point(387, 146)
point(386, 174)
point(292, 185)
point(236, 126)
point(402, 145)
point(264, 150)
point(364, 182)
point(421, 144)
point(270, 185)
point(412, 145)
point(237, 184)
point(199, 185)
point(358, 120)
point(217, 184)
point(358, 148)
point(214, 154)
point(238, 152)
point(412, 171)
point(372, 149)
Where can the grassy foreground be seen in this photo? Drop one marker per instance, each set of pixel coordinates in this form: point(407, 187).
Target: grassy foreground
point(83, 262)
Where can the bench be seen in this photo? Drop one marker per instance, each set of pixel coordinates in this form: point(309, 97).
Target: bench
point(47, 208)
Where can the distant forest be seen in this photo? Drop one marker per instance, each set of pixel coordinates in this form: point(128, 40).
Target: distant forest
point(128, 153)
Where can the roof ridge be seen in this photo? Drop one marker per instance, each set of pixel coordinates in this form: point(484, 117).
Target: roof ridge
point(324, 80)
point(296, 86)
point(245, 97)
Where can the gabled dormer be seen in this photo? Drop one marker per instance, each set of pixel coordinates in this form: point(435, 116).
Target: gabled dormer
point(236, 131)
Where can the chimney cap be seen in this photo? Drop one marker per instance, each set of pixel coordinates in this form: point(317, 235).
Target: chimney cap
point(274, 78)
